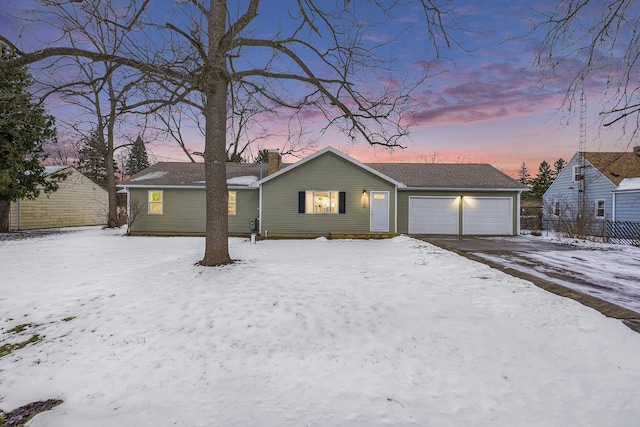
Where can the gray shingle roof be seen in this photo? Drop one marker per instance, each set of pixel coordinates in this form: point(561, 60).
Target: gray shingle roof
point(414, 175)
point(444, 175)
point(184, 174)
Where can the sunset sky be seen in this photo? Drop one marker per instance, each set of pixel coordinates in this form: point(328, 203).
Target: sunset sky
point(486, 104)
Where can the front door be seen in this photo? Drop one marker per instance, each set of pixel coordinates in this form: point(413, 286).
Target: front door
point(379, 211)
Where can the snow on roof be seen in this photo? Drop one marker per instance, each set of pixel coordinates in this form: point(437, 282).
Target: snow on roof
point(242, 180)
point(49, 170)
point(150, 175)
point(629, 184)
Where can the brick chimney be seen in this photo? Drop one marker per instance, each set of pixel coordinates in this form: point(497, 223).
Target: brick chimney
point(274, 161)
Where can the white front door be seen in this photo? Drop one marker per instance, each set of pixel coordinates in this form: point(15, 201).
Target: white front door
point(379, 211)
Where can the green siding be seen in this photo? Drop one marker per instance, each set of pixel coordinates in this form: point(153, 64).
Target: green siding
point(324, 173)
point(184, 211)
point(403, 204)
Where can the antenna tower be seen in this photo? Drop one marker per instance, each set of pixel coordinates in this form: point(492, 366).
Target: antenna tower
point(582, 147)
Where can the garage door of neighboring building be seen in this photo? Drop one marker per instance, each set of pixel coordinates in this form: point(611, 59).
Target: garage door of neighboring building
point(487, 215)
point(433, 215)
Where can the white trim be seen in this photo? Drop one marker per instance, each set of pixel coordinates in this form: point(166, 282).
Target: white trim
point(454, 198)
point(371, 202)
point(190, 187)
point(492, 190)
point(466, 198)
point(613, 209)
point(320, 153)
point(604, 209)
point(395, 215)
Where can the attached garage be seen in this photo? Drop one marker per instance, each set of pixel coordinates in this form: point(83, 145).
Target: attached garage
point(434, 215)
point(487, 216)
point(461, 215)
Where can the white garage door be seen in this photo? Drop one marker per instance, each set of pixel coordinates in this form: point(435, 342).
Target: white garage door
point(487, 215)
point(433, 215)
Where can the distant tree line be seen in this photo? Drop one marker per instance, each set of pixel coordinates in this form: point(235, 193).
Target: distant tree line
point(543, 179)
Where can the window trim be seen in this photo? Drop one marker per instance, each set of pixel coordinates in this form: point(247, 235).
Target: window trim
point(234, 204)
point(160, 202)
point(597, 208)
point(340, 200)
point(574, 173)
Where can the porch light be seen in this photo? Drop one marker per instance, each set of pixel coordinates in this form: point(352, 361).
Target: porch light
point(364, 200)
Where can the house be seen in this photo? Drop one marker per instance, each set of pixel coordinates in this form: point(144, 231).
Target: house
point(327, 194)
point(77, 202)
point(596, 187)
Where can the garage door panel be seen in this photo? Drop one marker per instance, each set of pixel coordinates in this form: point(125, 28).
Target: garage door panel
point(433, 215)
point(487, 216)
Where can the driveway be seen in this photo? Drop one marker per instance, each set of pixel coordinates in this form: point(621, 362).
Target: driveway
point(604, 277)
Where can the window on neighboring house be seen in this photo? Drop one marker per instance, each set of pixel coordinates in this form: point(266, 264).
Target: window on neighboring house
point(577, 174)
point(156, 202)
point(322, 202)
point(600, 209)
point(231, 205)
point(556, 208)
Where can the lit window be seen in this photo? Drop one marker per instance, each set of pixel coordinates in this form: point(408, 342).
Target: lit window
point(155, 202)
point(600, 209)
point(322, 202)
point(231, 206)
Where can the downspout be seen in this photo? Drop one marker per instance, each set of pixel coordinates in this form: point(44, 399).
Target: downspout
point(613, 210)
point(395, 213)
point(260, 207)
point(518, 213)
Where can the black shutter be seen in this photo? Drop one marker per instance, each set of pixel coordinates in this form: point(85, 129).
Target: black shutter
point(342, 204)
point(301, 201)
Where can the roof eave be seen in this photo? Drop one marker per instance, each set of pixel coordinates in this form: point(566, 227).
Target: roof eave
point(464, 189)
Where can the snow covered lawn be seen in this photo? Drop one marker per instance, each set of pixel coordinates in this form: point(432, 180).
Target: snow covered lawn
point(315, 332)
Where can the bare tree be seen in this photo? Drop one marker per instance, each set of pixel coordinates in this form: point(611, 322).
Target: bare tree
point(596, 43)
point(314, 55)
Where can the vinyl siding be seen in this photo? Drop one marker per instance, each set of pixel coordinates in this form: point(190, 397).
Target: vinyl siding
point(77, 202)
point(403, 204)
point(628, 206)
point(184, 211)
point(327, 172)
point(563, 189)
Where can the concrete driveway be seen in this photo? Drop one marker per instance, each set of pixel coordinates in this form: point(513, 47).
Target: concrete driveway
point(603, 277)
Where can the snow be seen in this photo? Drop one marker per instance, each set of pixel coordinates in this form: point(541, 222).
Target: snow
point(150, 175)
point(242, 180)
point(629, 184)
point(49, 170)
point(305, 332)
point(613, 268)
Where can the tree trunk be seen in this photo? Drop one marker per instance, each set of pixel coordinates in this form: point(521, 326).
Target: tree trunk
point(5, 208)
point(112, 211)
point(216, 250)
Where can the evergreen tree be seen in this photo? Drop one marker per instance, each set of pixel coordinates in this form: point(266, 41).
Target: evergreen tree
point(262, 156)
point(138, 158)
point(543, 179)
point(558, 166)
point(24, 128)
point(523, 173)
point(91, 160)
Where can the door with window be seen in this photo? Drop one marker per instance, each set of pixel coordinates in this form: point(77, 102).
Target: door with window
point(379, 210)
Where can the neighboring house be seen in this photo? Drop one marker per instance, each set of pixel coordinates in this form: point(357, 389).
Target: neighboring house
point(330, 193)
point(77, 202)
point(626, 200)
point(599, 186)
